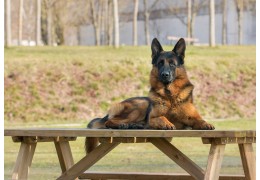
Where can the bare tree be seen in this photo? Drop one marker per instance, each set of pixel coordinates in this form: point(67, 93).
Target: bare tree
point(189, 20)
point(95, 9)
point(146, 20)
point(212, 23)
point(193, 7)
point(136, 2)
point(38, 23)
point(49, 26)
point(8, 32)
point(20, 23)
point(116, 23)
point(224, 22)
point(110, 23)
point(240, 9)
point(49, 5)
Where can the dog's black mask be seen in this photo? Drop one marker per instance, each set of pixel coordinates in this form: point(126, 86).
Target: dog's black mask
point(167, 61)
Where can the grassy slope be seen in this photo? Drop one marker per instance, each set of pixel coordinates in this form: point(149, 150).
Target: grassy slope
point(79, 83)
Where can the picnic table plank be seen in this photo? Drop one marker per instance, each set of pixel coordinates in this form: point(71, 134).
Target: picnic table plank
point(82, 132)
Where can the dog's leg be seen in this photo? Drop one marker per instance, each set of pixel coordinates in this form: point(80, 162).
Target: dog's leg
point(193, 119)
point(161, 123)
point(132, 121)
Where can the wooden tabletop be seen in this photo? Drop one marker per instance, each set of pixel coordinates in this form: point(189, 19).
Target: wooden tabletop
point(83, 132)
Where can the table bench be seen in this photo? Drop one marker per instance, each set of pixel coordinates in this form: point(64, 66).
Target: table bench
point(110, 139)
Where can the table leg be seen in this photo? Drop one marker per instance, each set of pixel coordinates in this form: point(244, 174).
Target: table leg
point(177, 156)
point(86, 162)
point(248, 160)
point(23, 161)
point(214, 161)
point(64, 155)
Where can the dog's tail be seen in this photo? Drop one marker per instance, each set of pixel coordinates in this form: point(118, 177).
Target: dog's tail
point(99, 123)
point(92, 142)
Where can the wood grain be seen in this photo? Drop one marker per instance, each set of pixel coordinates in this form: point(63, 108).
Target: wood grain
point(177, 156)
point(89, 160)
point(23, 161)
point(64, 155)
point(248, 160)
point(149, 176)
point(80, 132)
point(214, 162)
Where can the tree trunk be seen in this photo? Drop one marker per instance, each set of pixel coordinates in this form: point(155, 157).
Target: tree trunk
point(135, 22)
point(146, 26)
point(194, 10)
point(240, 10)
point(20, 23)
point(110, 23)
point(212, 23)
point(189, 20)
point(224, 22)
point(96, 21)
point(116, 23)
point(38, 23)
point(49, 26)
point(105, 22)
point(8, 32)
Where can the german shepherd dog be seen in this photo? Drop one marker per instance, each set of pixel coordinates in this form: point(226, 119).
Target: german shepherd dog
point(169, 104)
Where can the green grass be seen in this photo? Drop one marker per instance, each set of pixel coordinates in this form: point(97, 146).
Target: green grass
point(129, 157)
point(80, 83)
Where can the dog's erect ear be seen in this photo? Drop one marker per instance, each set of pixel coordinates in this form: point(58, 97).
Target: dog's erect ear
point(180, 48)
point(156, 49)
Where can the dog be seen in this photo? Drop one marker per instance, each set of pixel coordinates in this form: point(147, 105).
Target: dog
point(169, 104)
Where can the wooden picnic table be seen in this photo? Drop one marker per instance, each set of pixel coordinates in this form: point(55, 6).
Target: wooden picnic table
point(109, 139)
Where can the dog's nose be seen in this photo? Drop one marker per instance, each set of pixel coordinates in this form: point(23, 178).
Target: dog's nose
point(165, 74)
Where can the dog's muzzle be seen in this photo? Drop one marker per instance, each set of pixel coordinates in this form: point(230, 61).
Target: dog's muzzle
point(166, 77)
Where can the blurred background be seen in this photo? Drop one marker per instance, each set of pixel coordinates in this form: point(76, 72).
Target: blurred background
point(67, 61)
point(131, 22)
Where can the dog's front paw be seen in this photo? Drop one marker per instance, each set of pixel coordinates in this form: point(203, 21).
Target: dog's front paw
point(203, 125)
point(123, 126)
point(168, 126)
point(161, 123)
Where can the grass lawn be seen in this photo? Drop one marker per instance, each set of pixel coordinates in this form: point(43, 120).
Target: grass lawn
point(130, 157)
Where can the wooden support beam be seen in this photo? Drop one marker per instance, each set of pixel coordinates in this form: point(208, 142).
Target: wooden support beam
point(215, 158)
point(123, 140)
point(64, 155)
point(248, 160)
point(229, 140)
point(23, 161)
point(35, 139)
point(149, 176)
point(177, 156)
point(89, 160)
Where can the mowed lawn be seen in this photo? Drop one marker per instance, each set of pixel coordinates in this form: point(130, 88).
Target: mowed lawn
point(68, 86)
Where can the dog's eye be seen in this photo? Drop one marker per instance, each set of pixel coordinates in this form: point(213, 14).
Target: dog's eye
point(172, 64)
point(161, 63)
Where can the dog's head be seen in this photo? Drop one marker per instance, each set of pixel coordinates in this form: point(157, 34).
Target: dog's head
point(168, 61)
